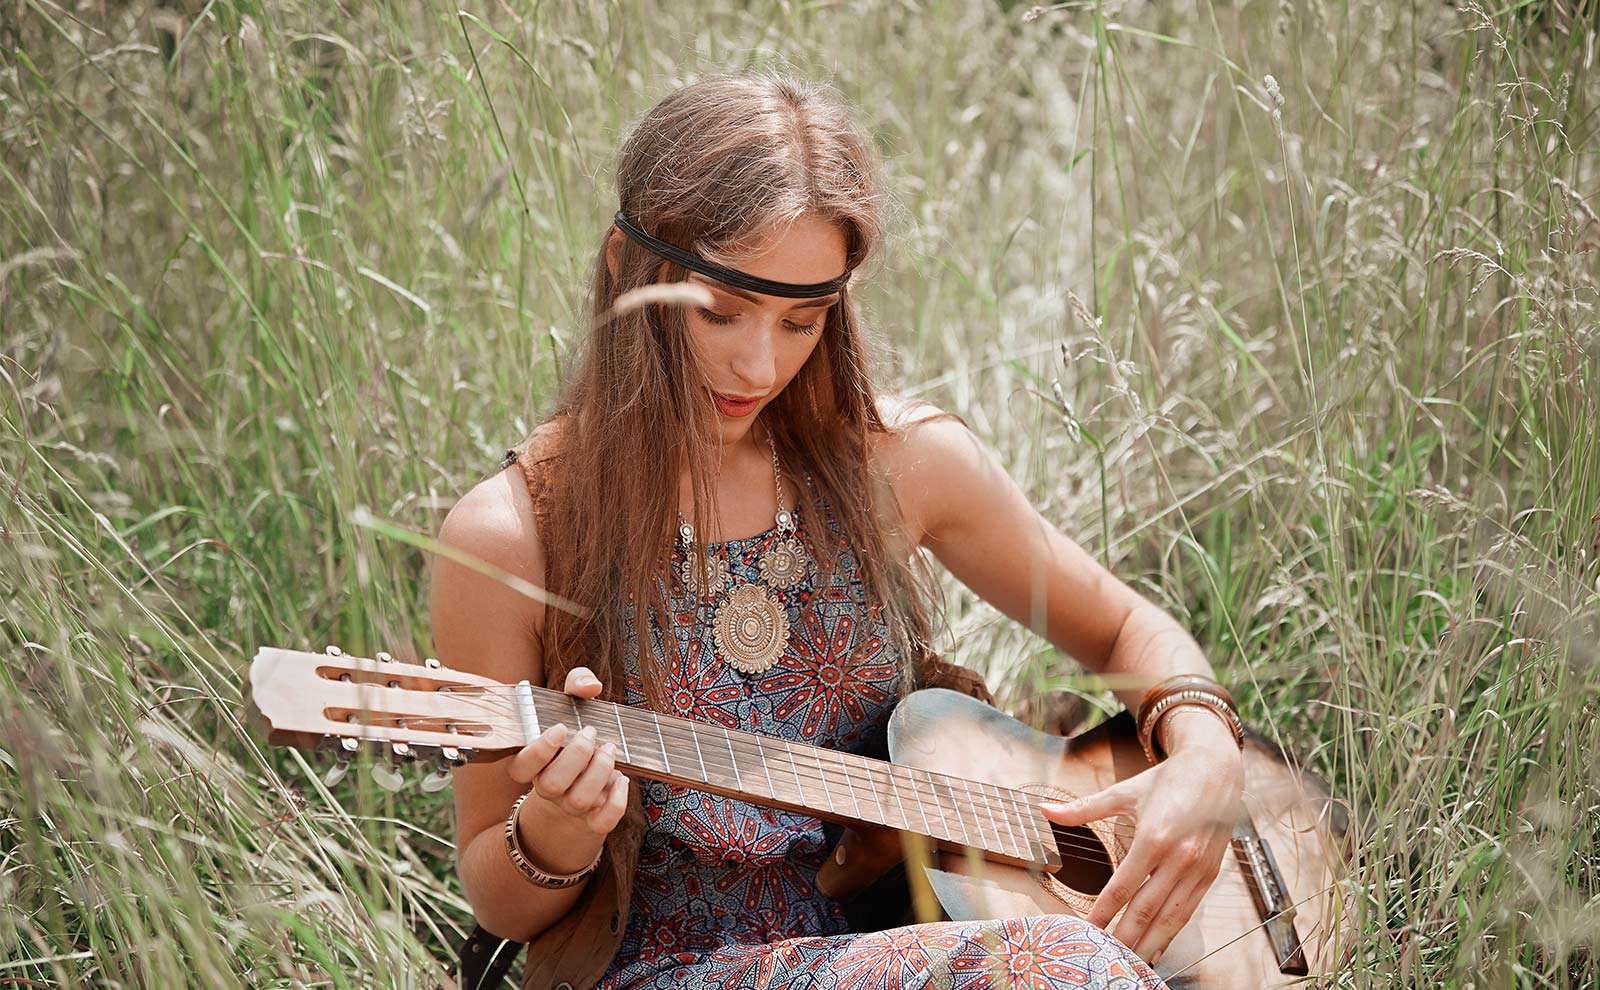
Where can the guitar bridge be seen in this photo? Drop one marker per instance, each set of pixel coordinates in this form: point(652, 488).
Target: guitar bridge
point(1271, 898)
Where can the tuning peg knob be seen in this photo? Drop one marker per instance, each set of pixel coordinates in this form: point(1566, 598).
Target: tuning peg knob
point(437, 781)
point(341, 762)
point(336, 773)
point(387, 778)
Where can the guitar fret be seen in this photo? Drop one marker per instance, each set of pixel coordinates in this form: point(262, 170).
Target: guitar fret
point(616, 713)
point(733, 758)
point(893, 784)
point(845, 766)
point(873, 791)
point(984, 787)
point(794, 768)
point(949, 804)
point(816, 754)
point(666, 764)
point(927, 827)
point(772, 791)
point(694, 734)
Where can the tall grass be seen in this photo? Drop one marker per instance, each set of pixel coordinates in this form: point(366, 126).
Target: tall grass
point(1311, 362)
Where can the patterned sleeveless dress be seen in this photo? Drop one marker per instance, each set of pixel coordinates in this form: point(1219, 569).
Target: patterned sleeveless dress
point(725, 891)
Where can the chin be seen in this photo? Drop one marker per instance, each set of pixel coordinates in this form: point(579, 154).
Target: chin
point(732, 433)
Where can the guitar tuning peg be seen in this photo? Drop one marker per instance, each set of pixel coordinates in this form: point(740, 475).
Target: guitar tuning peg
point(341, 760)
point(349, 744)
point(335, 773)
point(333, 651)
point(387, 778)
point(437, 781)
point(449, 756)
point(401, 751)
point(383, 657)
point(430, 662)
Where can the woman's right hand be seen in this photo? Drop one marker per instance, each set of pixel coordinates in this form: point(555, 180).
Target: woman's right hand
point(578, 794)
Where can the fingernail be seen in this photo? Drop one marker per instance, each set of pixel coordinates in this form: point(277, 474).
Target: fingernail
point(556, 732)
point(587, 732)
point(1055, 806)
point(610, 749)
point(838, 854)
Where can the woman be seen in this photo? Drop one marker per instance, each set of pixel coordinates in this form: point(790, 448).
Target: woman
point(726, 515)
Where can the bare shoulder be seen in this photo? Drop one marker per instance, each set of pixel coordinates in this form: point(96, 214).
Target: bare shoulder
point(926, 455)
point(492, 522)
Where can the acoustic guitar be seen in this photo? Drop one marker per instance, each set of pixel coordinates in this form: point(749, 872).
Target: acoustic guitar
point(961, 774)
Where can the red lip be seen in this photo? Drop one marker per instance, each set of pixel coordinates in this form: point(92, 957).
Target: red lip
point(732, 408)
point(738, 399)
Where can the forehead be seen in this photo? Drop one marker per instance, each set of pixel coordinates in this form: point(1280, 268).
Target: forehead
point(805, 251)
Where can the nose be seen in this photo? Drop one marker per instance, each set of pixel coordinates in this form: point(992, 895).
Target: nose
point(756, 362)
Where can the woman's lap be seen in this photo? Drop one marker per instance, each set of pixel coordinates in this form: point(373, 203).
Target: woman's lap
point(1047, 952)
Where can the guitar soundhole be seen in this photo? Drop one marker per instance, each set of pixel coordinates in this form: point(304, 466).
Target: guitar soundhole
point(1085, 864)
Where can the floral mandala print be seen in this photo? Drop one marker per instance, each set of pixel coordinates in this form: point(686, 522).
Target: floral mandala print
point(725, 892)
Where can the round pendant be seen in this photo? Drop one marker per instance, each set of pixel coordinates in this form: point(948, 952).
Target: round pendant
point(689, 574)
point(750, 629)
point(784, 566)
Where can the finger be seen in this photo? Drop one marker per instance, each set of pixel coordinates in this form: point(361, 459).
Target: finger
point(605, 818)
point(582, 682)
point(588, 792)
point(1119, 890)
point(1141, 912)
point(535, 756)
point(1176, 913)
point(1114, 800)
point(555, 778)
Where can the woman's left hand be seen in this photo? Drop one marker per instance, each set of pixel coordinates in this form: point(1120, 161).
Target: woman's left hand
point(1184, 807)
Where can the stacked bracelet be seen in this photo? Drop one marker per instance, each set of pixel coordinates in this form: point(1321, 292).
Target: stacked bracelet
point(1176, 692)
point(550, 881)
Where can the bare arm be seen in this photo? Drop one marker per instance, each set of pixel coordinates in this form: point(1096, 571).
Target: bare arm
point(980, 525)
point(480, 625)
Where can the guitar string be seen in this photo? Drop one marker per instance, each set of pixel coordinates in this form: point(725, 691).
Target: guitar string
point(1013, 807)
point(1015, 810)
point(857, 777)
point(1024, 808)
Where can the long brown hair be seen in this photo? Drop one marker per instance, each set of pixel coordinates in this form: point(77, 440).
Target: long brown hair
point(712, 167)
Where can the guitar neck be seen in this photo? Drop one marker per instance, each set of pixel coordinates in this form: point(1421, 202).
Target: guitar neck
point(1001, 823)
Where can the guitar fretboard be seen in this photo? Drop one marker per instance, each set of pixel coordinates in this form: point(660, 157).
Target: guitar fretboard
point(823, 782)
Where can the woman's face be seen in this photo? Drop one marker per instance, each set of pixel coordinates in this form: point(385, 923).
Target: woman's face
point(752, 345)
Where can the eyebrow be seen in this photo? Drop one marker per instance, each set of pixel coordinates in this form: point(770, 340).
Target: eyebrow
point(742, 294)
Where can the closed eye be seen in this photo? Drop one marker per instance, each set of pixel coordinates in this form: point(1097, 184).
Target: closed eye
point(720, 320)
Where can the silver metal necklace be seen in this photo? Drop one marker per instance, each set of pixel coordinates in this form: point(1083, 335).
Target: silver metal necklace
point(750, 626)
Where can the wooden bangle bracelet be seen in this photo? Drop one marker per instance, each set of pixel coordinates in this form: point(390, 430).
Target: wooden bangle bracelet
point(536, 876)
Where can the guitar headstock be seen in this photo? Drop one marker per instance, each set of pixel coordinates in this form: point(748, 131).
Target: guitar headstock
point(405, 712)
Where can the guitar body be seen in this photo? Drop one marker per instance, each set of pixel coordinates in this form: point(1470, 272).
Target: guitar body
point(1225, 943)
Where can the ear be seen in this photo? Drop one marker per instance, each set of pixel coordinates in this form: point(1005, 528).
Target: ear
point(613, 245)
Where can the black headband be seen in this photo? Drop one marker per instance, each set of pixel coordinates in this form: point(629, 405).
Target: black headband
point(729, 276)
